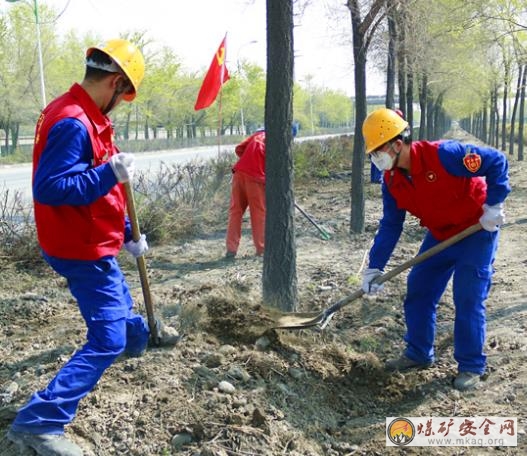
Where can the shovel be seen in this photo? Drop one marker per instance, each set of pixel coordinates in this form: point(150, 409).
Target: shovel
point(322, 231)
point(153, 323)
point(321, 319)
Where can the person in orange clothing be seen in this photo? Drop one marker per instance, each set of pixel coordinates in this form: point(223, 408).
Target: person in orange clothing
point(248, 190)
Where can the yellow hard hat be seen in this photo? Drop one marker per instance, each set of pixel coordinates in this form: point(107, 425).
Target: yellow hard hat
point(380, 126)
point(128, 58)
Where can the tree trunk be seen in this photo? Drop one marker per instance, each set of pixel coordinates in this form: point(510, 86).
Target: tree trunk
point(362, 32)
point(7, 136)
point(357, 166)
point(402, 65)
point(515, 109)
point(15, 130)
point(410, 98)
point(146, 130)
point(438, 117)
point(496, 143)
point(423, 90)
point(390, 66)
point(492, 119)
point(521, 122)
point(136, 122)
point(506, 77)
point(429, 116)
point(279, 281)
point(126, 132)
point(484, 121)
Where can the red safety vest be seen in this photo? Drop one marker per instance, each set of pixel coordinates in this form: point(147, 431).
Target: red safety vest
point(80, 232)
point(445, 204)
point(252, 156)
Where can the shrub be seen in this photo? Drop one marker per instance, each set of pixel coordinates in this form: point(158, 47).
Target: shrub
point(180, 200)
point(322, 158)
point(183, 199)
point(18, 239)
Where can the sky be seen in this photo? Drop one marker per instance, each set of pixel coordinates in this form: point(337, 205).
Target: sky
point(194, 29)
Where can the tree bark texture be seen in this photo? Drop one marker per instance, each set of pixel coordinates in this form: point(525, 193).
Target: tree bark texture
point(362, 32)
point(279, 280)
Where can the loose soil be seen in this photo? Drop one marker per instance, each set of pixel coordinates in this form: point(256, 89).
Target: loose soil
point(233, 385)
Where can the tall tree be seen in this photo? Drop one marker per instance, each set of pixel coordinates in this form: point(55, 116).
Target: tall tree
point(515, 109)
point(279, 271)
point(390, 65)
point(521, 124)
point(362, 31)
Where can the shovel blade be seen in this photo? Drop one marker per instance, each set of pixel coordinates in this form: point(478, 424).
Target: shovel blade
point(155, 332)
point(299, 320)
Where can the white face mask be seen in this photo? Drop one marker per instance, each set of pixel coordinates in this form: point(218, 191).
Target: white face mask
point(382, 160)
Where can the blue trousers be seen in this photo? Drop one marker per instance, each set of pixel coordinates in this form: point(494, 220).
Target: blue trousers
point(469, 262)
point(106, 305)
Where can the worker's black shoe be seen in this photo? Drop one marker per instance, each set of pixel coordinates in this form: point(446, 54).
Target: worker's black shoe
point(404, 363)
point(45, 444)
point(467, 381)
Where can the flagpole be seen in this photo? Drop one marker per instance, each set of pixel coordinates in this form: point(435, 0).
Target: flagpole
point(222, 75)
point(219, 122)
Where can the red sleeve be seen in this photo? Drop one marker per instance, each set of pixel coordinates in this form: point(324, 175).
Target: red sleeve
point(240, 148)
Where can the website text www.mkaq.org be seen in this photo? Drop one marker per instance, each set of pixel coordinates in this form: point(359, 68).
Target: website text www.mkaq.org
point(465, 441)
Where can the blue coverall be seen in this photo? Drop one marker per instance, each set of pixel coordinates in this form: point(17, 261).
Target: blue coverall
point(63, 177)
point(469, 262)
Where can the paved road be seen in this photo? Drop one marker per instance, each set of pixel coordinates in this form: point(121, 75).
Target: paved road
point(18, 177)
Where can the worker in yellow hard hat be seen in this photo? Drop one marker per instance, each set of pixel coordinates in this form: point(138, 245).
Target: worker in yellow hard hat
point(79, 205)
point(448, 186)
point(116, 57)
point(381, 124)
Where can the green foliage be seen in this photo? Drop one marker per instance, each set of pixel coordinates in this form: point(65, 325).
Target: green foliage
point(322, 158)
point(316, 108)
point(165, 100)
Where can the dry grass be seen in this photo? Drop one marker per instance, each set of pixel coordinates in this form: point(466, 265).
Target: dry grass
point(18, 240)
point(177, 202)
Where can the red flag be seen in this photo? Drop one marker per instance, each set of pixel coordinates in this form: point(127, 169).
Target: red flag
point(214, 79)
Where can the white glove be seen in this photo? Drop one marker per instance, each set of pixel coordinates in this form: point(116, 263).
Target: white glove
point(492, 217)
point(138, 248)
point(123, 166)
point(367, 278)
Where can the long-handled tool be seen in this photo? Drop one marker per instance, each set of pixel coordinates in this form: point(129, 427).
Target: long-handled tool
point(321, 319)
point(153, 323)
point(322, 231)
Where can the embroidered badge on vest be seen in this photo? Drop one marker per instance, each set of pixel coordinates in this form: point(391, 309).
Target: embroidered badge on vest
point(39, 127)
point(472, 161)
point(430, 176)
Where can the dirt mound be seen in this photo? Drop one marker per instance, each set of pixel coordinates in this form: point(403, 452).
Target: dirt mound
point(233, 319)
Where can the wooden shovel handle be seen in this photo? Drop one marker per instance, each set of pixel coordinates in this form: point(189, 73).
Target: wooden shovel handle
point(404, 266)
point(141, 262)
point(428, 253)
